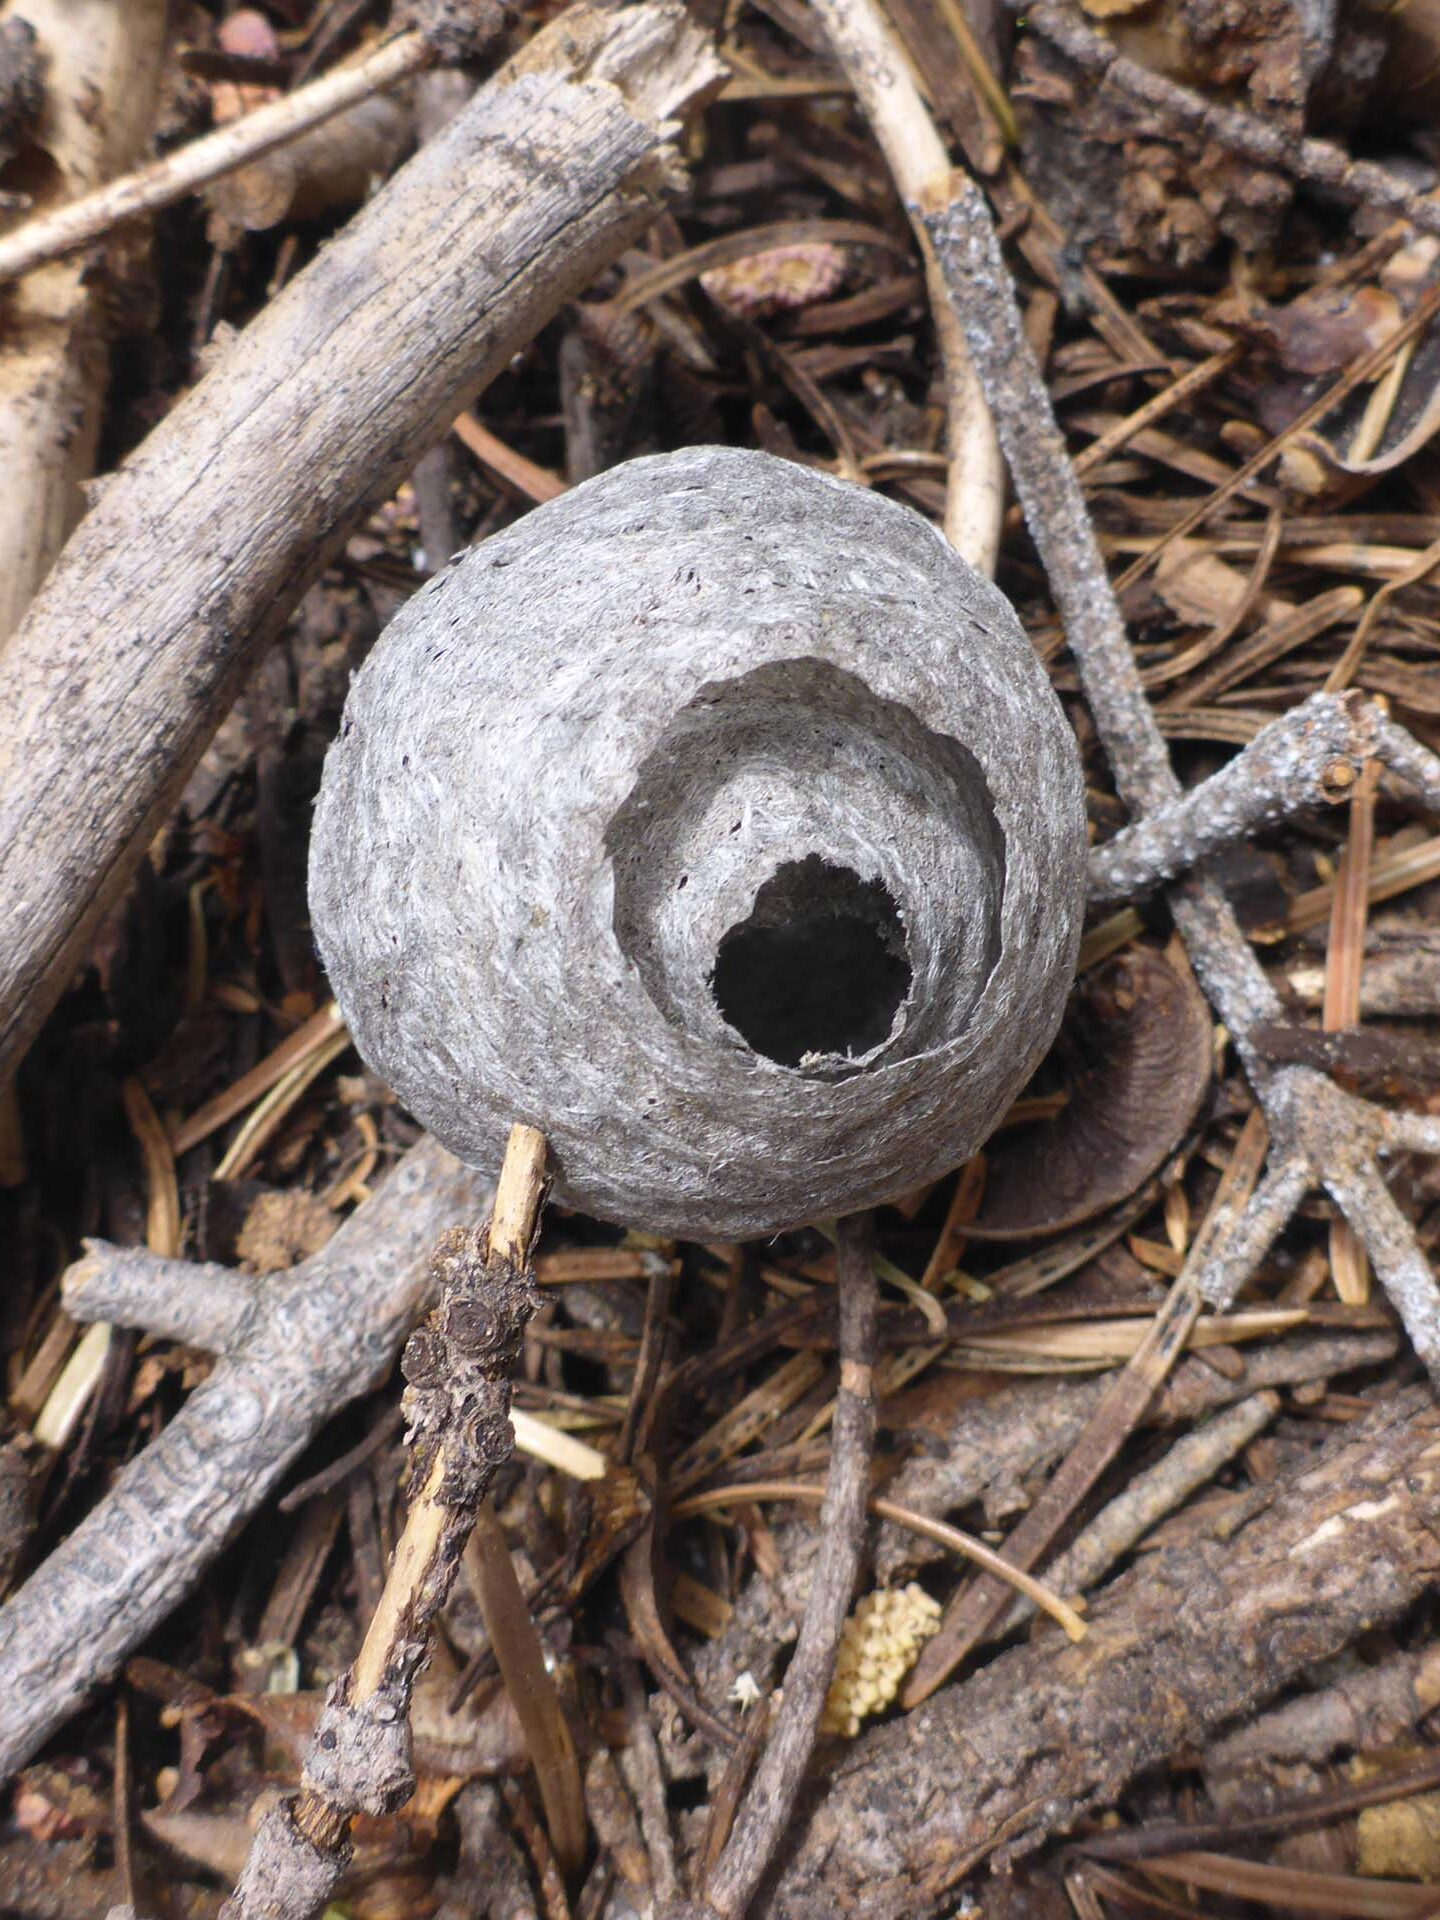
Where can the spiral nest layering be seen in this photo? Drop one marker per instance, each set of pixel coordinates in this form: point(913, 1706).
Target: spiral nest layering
point(720, 822)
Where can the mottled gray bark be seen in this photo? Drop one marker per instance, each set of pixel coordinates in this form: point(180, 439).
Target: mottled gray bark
point(1190, 1639)
point(316, 1338)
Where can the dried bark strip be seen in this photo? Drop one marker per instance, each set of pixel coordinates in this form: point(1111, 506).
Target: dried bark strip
point(1192, 1638)
point(205, 541)
point(459, 1365)
point(293, 1350)
point(520, 1655)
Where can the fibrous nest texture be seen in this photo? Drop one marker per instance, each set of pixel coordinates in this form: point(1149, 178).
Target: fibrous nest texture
point(719, 821)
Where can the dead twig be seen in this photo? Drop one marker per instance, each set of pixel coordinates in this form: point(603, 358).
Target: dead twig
point(101, 82)
point(80, 222)
point(1320, 1134)
point(1189, 1465)
point(1234, 1215)
point(291, 1354)
point(885, 87)
point(765, 1812)
point(459, 1366)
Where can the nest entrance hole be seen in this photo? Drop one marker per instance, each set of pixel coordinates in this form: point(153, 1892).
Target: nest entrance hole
point(819, 967)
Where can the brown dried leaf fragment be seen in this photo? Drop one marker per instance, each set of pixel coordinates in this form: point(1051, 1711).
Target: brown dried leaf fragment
point(1141, 1035)
point(282, 1227)
point(1323, 331)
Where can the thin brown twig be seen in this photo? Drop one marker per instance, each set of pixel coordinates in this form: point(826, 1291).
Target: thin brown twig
point(647, 1780)
point(924, 1524)
point(765, 1812)
point(1363, 369)
point(1186, 387)
point(65, 230)
point(1290, 1816)
point(1344, 961)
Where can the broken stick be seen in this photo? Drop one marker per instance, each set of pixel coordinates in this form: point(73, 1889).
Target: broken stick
point(459, 1366)
point(292, 1351)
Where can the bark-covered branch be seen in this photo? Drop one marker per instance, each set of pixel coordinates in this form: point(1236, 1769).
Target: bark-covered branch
point(327, 1332)
point(1191, 1638)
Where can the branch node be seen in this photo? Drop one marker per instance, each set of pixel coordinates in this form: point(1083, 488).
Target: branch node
point(360, 1758)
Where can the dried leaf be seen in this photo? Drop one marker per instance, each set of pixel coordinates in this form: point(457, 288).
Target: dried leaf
point(1142, 1038)
point(1401, 1841)
point(1322, 332)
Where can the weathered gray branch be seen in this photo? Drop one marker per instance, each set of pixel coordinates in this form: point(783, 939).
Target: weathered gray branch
point(1320, 1135)
point(1190, 1639)
point(204, 542)
point(1307, 757)
point(203, 1304)
point(324, 1333)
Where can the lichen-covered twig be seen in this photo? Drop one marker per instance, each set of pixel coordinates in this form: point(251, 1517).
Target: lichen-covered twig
point(1319, 1134)
point(1317, 162)
point(1317, 1131)
point(1308, 757)
point(459, 1365)
point(292, 1351)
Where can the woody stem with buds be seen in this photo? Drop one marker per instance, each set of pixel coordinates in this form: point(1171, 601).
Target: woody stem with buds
point(459, 1365)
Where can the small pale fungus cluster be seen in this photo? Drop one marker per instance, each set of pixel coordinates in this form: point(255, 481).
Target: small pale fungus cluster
point(880, 1643)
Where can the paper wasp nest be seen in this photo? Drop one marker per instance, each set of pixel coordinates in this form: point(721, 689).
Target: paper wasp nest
point(718, 820)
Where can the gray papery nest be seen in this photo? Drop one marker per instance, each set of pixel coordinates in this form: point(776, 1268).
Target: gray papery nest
point(719, 821)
